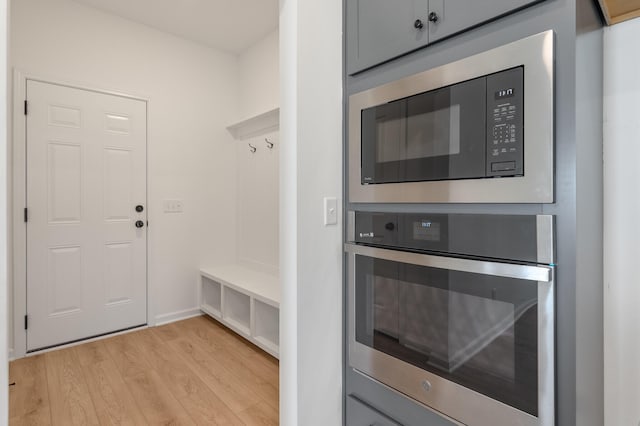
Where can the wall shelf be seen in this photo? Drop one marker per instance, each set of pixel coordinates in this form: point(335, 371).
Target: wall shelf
point(246, 301)
point(262, 123)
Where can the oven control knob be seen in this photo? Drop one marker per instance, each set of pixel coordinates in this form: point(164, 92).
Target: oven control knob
point(389, 226)
point(426, 385)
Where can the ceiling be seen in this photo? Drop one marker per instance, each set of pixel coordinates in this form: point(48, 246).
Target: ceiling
point(230, 25)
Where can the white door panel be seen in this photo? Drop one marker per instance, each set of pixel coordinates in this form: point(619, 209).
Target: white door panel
point(86, 172)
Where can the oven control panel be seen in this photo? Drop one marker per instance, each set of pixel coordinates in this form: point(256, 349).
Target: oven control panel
point(505, 127)
point(510, 237)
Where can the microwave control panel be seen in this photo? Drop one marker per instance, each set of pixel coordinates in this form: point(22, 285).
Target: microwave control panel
point(505, 128)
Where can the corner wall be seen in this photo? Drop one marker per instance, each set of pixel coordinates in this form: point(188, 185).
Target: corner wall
point(192, 92)
point(621, 225)
point(310, 253)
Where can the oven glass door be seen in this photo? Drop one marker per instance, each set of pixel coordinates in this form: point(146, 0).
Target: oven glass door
point(434, 135)
point(476, 329)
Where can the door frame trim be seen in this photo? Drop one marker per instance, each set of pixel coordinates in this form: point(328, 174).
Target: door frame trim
point(18, 229)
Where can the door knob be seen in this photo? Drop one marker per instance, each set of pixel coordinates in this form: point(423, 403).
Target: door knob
point(139, 208)
point(139, 224)
point(433, 17)
point(418, 24)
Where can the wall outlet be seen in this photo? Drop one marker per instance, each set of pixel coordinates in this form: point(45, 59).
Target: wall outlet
point(173, 206)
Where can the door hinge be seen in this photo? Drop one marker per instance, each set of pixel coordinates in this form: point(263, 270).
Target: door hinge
point(26, 322)
point(26, 107)
point(26, 215)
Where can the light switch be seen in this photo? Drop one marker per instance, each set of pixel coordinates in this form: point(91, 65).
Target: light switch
point(330, 211)
point(173, 206)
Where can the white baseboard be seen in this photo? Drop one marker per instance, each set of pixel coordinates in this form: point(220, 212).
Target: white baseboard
point(11, 355)
point(177, 316)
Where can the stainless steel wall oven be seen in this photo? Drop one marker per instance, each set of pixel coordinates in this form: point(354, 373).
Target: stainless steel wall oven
point(476, 130)
point(456, 311)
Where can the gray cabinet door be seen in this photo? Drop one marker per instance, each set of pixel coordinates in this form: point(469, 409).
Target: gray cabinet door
point(360, 414)
point(379, 30)
point(454, 16)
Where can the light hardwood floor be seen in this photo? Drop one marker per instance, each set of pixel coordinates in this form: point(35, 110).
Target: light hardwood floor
point(192, 372)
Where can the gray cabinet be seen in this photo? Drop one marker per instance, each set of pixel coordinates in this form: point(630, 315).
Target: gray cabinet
point(360, 414)
point(380, 30)
point(455, 16)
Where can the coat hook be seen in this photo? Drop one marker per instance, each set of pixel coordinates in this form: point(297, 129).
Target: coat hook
point(269, 143)
point(252, 149)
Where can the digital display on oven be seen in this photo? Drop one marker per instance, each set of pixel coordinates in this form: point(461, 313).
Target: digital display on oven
point(426, 230)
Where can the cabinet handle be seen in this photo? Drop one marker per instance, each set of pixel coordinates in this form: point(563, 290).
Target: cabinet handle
point(418, 24)
point(433, 17)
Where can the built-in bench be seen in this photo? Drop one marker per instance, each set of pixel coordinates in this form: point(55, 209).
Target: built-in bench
point(245, 300)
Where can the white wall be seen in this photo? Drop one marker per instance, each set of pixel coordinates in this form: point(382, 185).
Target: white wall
point(260, 77)
point(621, 224)
point(258, 203)
point(193, 96)
point(310, 253)
point(4, 312)
point(257, 173)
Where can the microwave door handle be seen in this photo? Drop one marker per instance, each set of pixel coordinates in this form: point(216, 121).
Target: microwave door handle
point(498, 269)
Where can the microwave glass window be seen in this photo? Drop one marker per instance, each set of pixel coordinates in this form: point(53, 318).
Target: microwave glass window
point(434, 135)
point(476, 330)
point(390, 132)
point(419, 134)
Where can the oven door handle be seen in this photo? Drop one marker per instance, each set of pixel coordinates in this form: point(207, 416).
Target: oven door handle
point(498, 269)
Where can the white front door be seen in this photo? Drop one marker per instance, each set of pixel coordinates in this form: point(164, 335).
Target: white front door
point(86, 242)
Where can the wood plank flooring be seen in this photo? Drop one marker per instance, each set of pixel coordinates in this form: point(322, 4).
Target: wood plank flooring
point(192, 372)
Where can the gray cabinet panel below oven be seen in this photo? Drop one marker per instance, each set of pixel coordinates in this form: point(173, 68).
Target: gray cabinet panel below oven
point(360, 414)
point(383, 401)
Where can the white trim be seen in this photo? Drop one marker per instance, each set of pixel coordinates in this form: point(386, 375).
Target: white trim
point(82, 85)
point(151, 319)
point(19, 235)
point(18, 199)
point(177, 316)
point(11, 357)
point(5, 206)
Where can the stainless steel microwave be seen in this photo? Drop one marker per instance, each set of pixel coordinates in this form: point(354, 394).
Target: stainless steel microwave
point(478, 130)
